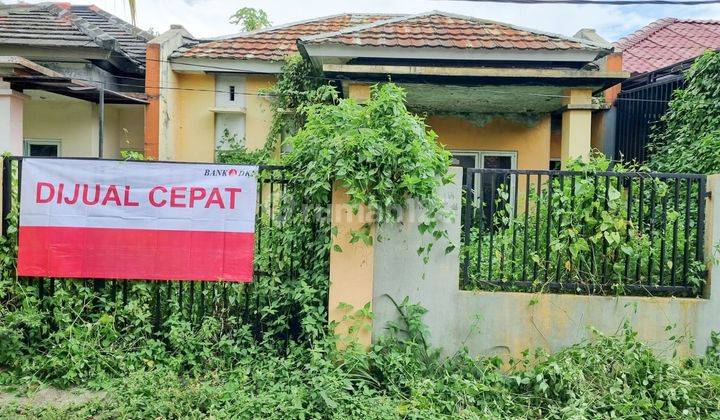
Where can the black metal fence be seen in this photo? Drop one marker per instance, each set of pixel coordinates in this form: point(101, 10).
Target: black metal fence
point(641, 103)
point(578, 232)
point(234, 305)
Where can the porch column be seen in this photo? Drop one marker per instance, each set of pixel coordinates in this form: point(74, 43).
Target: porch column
point(11, 119)
point(576, 123)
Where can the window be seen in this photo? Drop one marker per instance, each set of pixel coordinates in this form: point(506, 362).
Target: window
point(486, 188)
point(555, 164)
point(41, 148)
point(229, 110)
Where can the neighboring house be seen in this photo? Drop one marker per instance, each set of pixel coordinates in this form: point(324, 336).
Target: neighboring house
point(58, 63)
point(497, 95)
point(657, 57)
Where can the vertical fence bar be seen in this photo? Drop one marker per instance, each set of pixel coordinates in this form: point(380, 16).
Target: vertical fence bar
point(641, 202)
point(560, 211)
point(663, 222)
point(699, 251)
point(651, 216)
point(513, 224)
point(603, 276)
point(629, 219)
point(479, 202)
point(548, 227)
point(6, 192)
point(503, 229)
point(525, 225)
point(538, 203)
point(686, 247)
point(491, 224)
point(466, 228)
point(676, 209)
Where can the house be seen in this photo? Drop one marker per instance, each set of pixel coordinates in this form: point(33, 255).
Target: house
point(656, 56)
point(219, 85)
point(72, 81)
point(496, 94)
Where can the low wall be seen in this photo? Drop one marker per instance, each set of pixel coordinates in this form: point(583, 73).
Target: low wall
point(506, 323)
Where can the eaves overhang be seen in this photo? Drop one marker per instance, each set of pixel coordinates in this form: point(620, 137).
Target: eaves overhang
point(24, 74)
point(225, 65)
point(321, 54)
point(471, 76)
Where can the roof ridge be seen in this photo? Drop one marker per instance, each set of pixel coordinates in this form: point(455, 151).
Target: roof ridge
point(127, 27)
point(644, 32)
point(92, 30)
point(291, 24)
point(375, 24)
point(100, 37)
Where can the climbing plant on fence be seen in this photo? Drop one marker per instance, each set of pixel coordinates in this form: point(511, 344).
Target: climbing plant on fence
point(689, 138)
point(588, 233)
point(82, 331)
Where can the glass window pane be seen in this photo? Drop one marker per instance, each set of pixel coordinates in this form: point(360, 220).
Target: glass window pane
point(491, 183)
point(43, 150)
point(497, 162)
point(465, 162)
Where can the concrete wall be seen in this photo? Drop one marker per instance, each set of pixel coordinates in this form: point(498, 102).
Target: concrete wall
point(75, 124)
point(506, 323)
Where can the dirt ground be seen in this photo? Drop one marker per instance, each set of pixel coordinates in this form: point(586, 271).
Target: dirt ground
point(51, 396)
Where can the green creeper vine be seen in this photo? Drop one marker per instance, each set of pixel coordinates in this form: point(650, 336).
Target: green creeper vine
point(688, 138)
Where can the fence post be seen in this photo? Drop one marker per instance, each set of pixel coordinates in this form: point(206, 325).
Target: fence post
point(5, 187)
point(712, 236)
point(351, 272)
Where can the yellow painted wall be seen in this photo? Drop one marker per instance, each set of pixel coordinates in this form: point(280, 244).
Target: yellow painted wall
point(259, 115)
point(555, 143)
point(194, 128)
point(351, 273)
point(532, 144)
point(190, 123)
point(75, 124)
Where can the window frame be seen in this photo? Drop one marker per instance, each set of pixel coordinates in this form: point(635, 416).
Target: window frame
point(41, 142)
point(480, 164)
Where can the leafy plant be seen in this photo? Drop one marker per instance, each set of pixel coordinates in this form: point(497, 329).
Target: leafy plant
point(578, 230)
point(688, 137)
point(250, 19)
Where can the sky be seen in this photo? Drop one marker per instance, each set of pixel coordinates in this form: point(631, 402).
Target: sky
point(209, 18)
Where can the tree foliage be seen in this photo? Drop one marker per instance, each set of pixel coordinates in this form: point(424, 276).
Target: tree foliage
point(688, 138)
point(250, 19)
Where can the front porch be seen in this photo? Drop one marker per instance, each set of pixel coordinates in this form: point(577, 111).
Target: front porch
point(45, 113)
point(529, 119)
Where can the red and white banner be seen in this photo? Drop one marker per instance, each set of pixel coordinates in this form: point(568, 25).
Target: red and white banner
point(136, 220)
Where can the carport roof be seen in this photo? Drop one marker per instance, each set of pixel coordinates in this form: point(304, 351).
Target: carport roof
point(23, 74)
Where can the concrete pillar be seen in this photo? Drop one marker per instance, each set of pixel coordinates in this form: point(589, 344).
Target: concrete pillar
point(712, 237)
point(576, 124)
point(351, 273)
point(11, 119)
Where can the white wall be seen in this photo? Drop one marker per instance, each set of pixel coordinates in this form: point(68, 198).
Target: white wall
point(75, 124)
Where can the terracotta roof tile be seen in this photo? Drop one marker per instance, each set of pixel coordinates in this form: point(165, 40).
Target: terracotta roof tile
point(439, 29)
point(666, 42)
point(64, 25)
point(434, 29)
point(275, 43)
